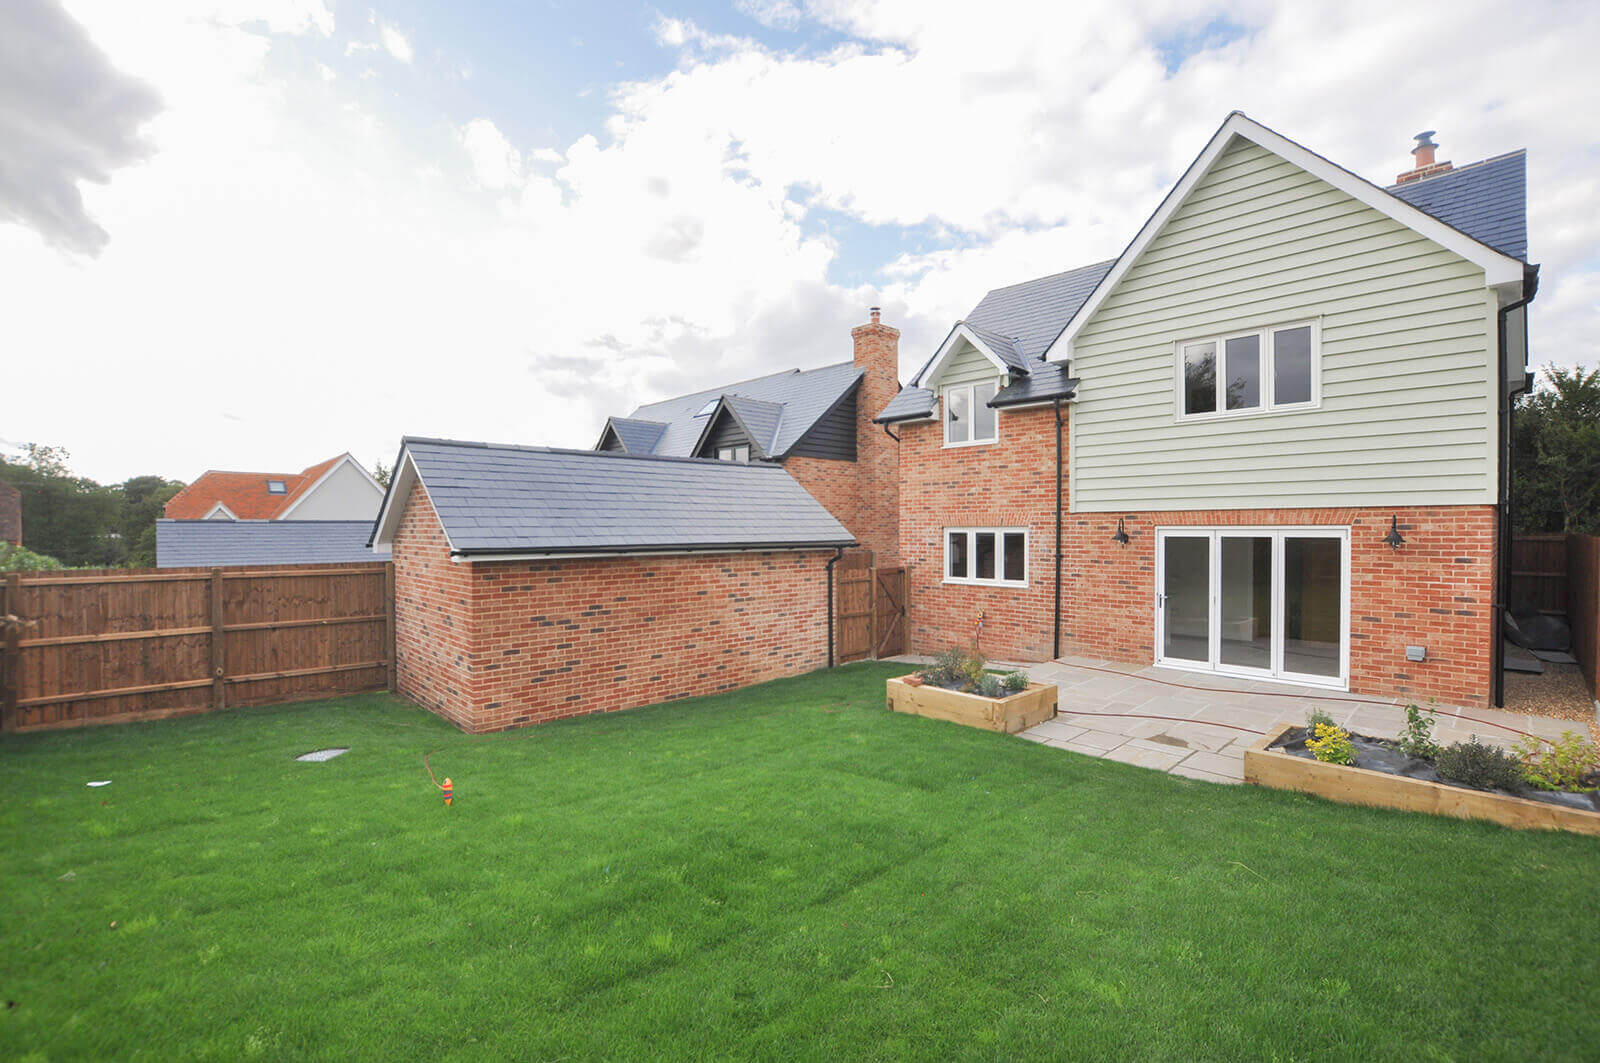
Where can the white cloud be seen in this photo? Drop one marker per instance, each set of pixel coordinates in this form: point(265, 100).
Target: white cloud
point(395, 42)
point(778, 14)
point(334, 277)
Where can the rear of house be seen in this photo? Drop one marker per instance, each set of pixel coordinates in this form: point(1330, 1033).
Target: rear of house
point(533, 584)
point(1279, 424)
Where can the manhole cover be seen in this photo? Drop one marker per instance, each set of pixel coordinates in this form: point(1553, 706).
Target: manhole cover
point(323, 754)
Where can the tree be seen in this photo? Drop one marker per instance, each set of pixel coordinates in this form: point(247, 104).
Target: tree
point(82, 523)
point(143, 500)
point(382, 473)
point(1556, 453)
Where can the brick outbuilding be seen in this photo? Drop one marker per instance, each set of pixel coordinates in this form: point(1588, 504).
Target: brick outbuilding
point(533, 584)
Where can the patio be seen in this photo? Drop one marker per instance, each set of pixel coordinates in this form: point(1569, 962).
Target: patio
point(1199, 725)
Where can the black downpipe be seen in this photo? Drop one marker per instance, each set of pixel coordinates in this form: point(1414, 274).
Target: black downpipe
point(890, 434)
point(838, 552)
point(1057, 652)
point(1507, 426)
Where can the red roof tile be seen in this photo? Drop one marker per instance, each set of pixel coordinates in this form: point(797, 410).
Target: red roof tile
point(244, 493)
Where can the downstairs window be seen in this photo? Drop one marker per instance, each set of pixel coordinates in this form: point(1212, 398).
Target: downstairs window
point(987, 557)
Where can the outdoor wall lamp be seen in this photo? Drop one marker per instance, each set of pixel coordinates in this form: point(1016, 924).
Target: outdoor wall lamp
point(1394, 540)
point(1121, 538)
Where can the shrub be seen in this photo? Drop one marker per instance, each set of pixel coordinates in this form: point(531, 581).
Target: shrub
point(1317, 718)
point(20, 559)
point(1015, 682)
point(991, 686)
point(956, 669)
point(1476, 764)
point(1416, 740)
point(1332, 745)
point(1567, 764)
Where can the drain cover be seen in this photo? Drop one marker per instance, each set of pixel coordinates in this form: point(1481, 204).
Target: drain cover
point(323, 754)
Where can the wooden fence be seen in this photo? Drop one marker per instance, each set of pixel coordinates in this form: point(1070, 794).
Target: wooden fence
point(869, 612)
point(1539, 573)
point(116, 645)
point(1583, 605)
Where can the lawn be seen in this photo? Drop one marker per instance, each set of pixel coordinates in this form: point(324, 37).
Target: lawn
point(786, 871)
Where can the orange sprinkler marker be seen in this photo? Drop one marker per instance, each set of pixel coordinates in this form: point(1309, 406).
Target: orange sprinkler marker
point(448, 795)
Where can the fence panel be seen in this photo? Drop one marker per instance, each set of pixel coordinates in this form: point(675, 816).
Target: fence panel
point(118, 645)
point(1539, 573)
point(1583, 606)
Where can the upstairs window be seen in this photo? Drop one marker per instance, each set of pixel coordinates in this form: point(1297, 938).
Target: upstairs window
point(991, 557)
point(738, 453)
point(1249, 372)
point(968, 418)
point(276, 487)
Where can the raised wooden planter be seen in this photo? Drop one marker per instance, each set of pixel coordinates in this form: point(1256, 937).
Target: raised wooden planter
point(1012, 713)
point(1362, 786)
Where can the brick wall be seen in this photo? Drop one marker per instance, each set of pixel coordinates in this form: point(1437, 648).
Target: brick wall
point(1435, 591)
point(877, 350)
point(493, 645)
point(1006, 483)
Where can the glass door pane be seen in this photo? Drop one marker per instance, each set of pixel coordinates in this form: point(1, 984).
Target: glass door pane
point(1313, 605)
point(1245, 624)
point(1186, 597)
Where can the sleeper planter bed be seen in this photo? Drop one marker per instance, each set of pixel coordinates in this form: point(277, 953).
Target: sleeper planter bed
point(1010, 713)
point(1282, 761)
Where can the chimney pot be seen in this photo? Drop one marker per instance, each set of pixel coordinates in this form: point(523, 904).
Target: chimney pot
point(1423, 159)
point(875, 315)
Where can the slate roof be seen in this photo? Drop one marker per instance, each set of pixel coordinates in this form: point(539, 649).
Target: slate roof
point(638, 437)
point(761, 420)
point(244, 493)
point(507, 499)
point(1048, 381)
point(910, 404)
point(1487, 200)
point(804, 396)
point(1005, 347)
point(1036, 311)
point(204, 543)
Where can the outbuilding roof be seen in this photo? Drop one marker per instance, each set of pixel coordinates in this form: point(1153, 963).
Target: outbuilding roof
point(495, 499)
point(203, 543)
point(803, 397)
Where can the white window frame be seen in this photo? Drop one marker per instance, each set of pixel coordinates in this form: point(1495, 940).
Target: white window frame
point(734, 453)
point(972, 556)
point(1269, 403)
point(972, 405)
point(1277, 673)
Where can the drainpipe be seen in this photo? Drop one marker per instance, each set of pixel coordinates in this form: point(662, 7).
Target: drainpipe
point(1057, 652)
point(1503, 569)
point(838, 552)
point(890, 434)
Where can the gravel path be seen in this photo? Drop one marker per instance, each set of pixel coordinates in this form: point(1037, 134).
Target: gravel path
point(1561, 692)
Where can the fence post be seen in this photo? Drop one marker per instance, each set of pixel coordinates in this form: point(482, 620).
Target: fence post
point(388, 622)
point(219, 663)
point(11, 681)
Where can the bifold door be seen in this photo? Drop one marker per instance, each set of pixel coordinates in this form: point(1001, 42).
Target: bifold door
point(1270, 603)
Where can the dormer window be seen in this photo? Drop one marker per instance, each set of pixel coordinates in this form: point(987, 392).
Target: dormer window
point(968, 418)
point(738, 453)
point(277, 487)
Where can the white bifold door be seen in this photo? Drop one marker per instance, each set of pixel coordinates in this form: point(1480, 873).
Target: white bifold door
point(1264, 602)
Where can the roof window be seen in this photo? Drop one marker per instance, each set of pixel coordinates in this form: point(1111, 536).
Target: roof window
point(708, 407)
point(277, 487)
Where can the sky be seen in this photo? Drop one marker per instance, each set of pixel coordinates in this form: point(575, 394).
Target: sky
point(252, 234)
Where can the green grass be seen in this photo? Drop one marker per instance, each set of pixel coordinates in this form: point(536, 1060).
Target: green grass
point(787, 871)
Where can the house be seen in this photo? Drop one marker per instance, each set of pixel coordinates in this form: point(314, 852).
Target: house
point(1267, 440)
point(817, 424)
point(336, 489)
point(533, 583)
point(10, 514)
point(213, 543)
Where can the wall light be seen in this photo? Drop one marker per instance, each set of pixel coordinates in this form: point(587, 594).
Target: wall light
point(1121, 538)
point(1394, 540)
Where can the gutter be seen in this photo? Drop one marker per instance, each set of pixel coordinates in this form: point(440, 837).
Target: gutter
point(1507, 426)
point(460, 556)
point(1056, 653)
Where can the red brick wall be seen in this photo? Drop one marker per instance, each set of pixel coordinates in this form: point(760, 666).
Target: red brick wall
point(1006, 483)
point(1435, 591)
point(877, 350)
point(493, 645)
point(432, 611)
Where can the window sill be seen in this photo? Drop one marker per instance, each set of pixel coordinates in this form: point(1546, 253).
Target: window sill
point(972, 443)
point(993, 583)
point(1235, 415)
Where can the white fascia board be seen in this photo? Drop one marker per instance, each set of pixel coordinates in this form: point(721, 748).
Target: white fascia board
point(219, 508)
point(344, 458)
point(929, 377)
point(400, 484)
point(1499, 269)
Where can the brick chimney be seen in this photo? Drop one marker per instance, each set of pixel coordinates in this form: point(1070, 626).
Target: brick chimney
point(1422, 155)
point(877, 351)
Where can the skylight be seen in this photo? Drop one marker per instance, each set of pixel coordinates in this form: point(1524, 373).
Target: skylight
point(708, 407)
point(276, 487)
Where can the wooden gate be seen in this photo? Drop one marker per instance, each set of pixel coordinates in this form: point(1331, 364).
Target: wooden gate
point(869, 612)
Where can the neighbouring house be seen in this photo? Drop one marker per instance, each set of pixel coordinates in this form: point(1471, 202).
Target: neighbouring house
point(816, 423)
point(212, 543)
point(534, 583)
point(336, 489)
point(1270, 439)
point(10, 514)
